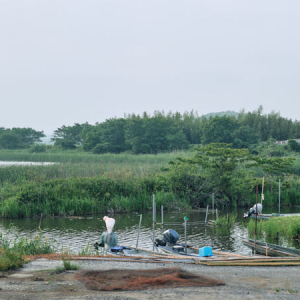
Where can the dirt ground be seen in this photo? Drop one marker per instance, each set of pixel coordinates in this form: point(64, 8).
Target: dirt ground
point(39, 280)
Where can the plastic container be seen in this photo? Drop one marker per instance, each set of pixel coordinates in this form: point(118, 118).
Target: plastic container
point(205, 251)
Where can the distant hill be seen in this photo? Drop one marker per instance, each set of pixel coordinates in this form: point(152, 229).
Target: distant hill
point(221, 114)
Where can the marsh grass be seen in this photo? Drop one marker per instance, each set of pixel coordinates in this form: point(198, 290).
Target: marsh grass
point(76, 156)
point(81, 164)
point(286, 226)
point(259, 228)
point(226, 220)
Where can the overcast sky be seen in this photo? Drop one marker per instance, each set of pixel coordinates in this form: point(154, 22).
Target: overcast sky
point(73, 61)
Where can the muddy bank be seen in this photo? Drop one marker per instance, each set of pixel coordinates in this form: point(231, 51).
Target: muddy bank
point(38, 280)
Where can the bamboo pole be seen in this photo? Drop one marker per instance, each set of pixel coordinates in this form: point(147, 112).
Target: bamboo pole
point(137, 241)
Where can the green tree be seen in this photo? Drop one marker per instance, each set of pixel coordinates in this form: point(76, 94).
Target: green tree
point(293, 146)
point(218, 163)
point(245, 137)
point(69, 137)
point(220, 130)
point(106, 137)
point(28, 136)
point(10, 140)
point(19, 137)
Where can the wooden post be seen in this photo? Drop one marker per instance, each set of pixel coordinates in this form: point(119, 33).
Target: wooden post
point(262, 191)
point(185, 237)
point(137, 241)
point(255, 221)
point(206, 214)
point(162, 216)
point(279, 198)
point(154, 221)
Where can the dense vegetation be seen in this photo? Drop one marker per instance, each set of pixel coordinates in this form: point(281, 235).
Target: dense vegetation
point(84, 183)
point(166, 132)
point(96, 167)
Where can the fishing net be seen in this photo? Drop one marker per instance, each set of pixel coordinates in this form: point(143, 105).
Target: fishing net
point(109, 238)
point(124, 280)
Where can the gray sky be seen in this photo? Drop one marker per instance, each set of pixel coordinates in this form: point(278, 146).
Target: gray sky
point(67, 61)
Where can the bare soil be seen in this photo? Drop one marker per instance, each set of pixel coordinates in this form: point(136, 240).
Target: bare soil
point(39, 280)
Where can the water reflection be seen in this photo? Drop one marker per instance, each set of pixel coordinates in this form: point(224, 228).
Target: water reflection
point(76, 233)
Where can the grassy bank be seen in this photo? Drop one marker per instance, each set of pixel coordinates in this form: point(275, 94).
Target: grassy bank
point(12, 252)
point(288, 227)
point(83, 196)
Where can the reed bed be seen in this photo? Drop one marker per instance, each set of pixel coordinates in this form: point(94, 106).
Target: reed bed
point(76, 156)
point(288, 227)
point(78, 164)
point(259, 228)
point(226, 220)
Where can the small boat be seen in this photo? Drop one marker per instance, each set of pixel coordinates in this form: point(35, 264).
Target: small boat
point(131, 251)
point(271, 249)
point(179, 249)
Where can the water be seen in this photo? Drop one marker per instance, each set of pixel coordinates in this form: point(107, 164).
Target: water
point(24, 163)
point(75, 233)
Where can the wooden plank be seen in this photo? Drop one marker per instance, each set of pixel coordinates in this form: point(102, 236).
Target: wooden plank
point(237, 263)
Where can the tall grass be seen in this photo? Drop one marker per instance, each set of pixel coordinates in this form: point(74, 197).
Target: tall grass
point(11, 252)
point(286, 226)
point(76, 156)
point(83, 196)
point(226, 220)
point(259, 228)
point(81, 164)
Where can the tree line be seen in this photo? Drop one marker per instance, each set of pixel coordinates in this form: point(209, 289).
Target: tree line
point(173, 131)
point(162, 132)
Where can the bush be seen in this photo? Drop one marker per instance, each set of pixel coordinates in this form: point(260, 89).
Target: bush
point(38, 148)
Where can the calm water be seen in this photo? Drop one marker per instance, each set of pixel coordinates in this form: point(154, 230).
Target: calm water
point(78, 232)
point(24, 163)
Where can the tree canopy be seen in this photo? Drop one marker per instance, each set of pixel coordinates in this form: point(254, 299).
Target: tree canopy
point(16, 138)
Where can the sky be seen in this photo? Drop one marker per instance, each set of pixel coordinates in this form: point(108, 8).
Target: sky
point(72, 61)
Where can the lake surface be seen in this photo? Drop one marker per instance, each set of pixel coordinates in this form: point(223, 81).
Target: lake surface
point(24, 163)
point(75, 233)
